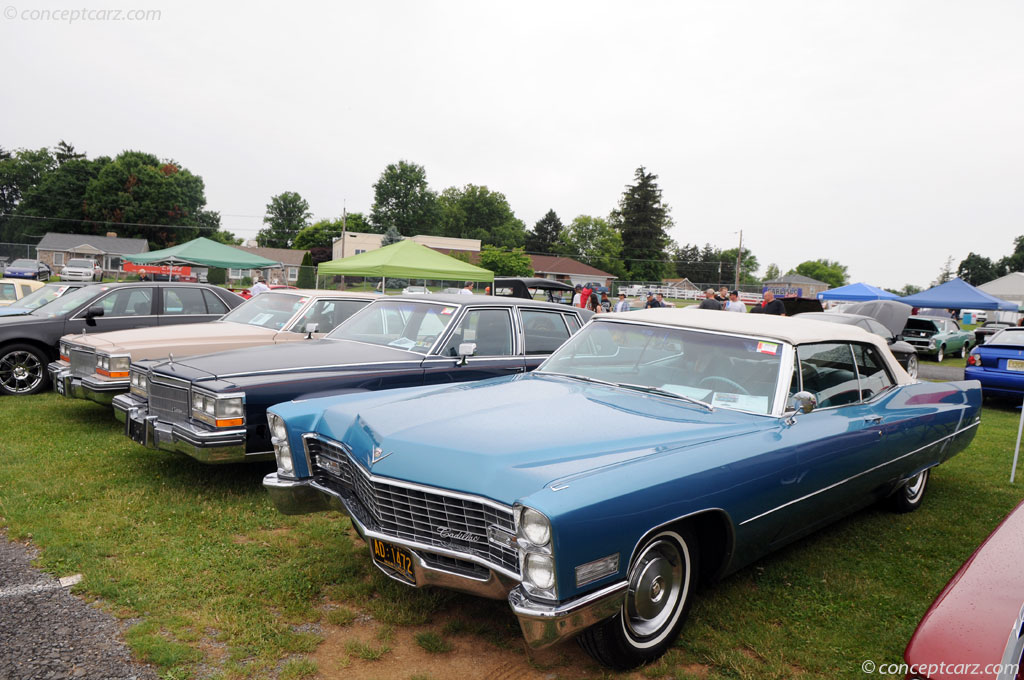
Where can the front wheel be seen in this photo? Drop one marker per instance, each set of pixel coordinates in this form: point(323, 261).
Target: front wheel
point(661, 583)
point(941, 354)
point(965, 350)
point(912, 366)
point(22, 370)
point(910, 495)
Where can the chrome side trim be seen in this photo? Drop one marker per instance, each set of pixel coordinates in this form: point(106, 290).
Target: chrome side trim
point(410, 362)
point(860, 474)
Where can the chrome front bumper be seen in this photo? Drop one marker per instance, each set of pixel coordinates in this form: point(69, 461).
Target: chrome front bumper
point(102, 391)
point(542, 624)
point(206, 446)
point(63, 382)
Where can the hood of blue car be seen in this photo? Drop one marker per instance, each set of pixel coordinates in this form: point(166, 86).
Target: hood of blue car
point(510, 437)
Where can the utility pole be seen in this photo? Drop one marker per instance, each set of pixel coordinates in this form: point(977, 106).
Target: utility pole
point(739, 260)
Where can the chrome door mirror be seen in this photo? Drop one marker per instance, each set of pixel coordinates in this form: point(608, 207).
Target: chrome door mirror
point(310, 329)
point(466, 350)
point(801, 402)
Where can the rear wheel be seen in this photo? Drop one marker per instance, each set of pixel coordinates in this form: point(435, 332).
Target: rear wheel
point(965, 350)
point(941, 354)
point(912, 365)
point(661, 583)
point(910, 495)
point(22, 370)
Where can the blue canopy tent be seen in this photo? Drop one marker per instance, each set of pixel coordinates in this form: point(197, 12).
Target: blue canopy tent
point(857, 292)
point(957, 294)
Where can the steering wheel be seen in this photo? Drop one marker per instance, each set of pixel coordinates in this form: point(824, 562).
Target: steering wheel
point(725, 381)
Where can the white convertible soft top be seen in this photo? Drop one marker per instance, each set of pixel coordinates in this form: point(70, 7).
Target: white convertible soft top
point(791, 329)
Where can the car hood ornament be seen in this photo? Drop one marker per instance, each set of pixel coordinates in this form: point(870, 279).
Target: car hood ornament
point(378, 455)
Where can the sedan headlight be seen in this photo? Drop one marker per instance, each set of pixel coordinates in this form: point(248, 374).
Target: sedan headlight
point(535, 527)
point(218, 411)
point(539, 570)
point(113, 367)
point(533, 538)
point(138, 384)
point(279, 438)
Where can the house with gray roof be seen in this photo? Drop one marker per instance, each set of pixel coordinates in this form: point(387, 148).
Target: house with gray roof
point(55, 249)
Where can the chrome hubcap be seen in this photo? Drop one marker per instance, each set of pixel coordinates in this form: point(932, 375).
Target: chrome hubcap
point(656, 585)
point(20, 372)
point(915, 487)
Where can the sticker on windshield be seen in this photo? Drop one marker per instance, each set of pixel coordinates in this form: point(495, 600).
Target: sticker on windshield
point(768, 347)
point(260, 319)
point(447, 310)
point(302, 300)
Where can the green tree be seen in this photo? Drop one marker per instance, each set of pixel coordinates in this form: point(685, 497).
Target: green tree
point(138, 188)
point(771, 272)
point(323, 233)
point(505, 262)
point(593, 241)
point(946, 273)
point(391, 236)
point(307, 274)
point(19, 172)
point(832, 273)
point(977, 269)
point(643, 220)
point(908, 289)
point(1013, 262)
point(477, 212)
point(403, 200)
point(748, 266)
point(64, 152)
point(60, 195)
point(544, 236)
point(287, 214)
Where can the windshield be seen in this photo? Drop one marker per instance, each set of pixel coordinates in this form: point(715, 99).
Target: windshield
point(398, 323)
point(69, 302)
point(267, 310)
point(30, 264)
point(1012, 336)
point(719, 370)
point(41, 297)
point(85, 264)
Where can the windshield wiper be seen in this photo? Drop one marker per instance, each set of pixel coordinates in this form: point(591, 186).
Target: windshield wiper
point(584, 378)
point(665, 393)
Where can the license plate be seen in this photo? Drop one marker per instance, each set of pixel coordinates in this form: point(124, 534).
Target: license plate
point(136, 430)
point(394, 558)
point(59, 384)
point(1014, 365)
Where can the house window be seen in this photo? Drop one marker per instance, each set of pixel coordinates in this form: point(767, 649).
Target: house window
point(360, 250)
point(238, 273)
point(293, 273)
point(58, 259)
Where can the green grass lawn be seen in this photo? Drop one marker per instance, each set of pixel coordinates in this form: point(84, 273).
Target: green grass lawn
point(219, 585)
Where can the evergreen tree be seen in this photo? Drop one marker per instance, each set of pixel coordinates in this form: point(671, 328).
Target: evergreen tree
point(391, 236)
point(643, 220)
point(544, 236)
point(307, 275)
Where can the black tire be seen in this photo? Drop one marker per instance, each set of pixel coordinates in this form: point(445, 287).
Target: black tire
point(912, 365)
point(910, 496)
point(965, 350)
point(940, 354)
point(652, 612)
point(23, 370)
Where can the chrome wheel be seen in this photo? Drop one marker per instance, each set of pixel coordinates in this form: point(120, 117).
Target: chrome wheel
point(941, 354)
point(964, 350)
point(912, 366)
point(21, 371)
point(915, 487)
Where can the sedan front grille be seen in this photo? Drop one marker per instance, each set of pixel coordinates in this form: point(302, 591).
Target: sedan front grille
point(426, 515)
point(83, 362)
point(168, 402)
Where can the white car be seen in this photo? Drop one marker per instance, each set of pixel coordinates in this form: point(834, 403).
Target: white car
point(78, 269)
point(415, 290)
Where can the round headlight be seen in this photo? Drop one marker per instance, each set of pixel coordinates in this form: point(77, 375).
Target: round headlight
point(277, 428)
point(540, 570)
point(535, 527)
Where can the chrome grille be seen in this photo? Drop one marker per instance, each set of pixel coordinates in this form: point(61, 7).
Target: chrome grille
point(168, 402)
point(427, 516)
point(83, 362)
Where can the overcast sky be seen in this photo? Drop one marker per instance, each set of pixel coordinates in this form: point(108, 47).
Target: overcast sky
point(885, 135)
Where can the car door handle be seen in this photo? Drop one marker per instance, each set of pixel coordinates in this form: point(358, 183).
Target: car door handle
point(514, 369)
point(873, 420)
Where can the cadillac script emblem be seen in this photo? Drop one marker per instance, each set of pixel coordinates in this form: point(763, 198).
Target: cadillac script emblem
point(378, 454)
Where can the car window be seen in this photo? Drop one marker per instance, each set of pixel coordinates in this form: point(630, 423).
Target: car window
point(490, 329)
point(184, 301)
point(573, 322)
point(7, 292)
point(827, 370)
point(1008, 336)
point(214, 305)
point(327, 314)
point(412, 326)
point(544, 332)
point(127, 302)
point(874, 378)
point(268, 310)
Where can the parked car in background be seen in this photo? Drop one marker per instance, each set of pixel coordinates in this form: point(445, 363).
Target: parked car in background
point(78, 269)
point(975, 627)
point(999, 364)
point(27, 269)
point(13, 290)
point(46, 294)
point(710, 439)
point(415, 290)
point(213, 407)
point(244, 292)
point(28, 342)
point(534, 288)
point(987, 330)
point(95, 366)
point(884, 318)
point(936, 336)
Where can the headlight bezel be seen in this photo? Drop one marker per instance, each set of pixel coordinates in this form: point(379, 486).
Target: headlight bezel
point(138, 382)
point(535, 542)
point(217, 410)
point(282, 449)
point(113, 365)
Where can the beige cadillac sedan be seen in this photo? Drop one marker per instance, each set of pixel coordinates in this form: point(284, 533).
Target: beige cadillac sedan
point(95, 366)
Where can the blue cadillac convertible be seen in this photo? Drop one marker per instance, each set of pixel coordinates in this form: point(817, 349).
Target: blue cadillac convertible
point(654, 450)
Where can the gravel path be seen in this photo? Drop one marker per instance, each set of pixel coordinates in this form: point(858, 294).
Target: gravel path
point(46, 633)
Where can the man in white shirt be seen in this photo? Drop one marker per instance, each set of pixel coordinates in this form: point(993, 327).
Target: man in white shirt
point(577, 297)
point(734, 304)
point(623, 304)
point(259, 287)
point(468, 290)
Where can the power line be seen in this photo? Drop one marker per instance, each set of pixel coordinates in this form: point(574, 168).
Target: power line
point(107, 222)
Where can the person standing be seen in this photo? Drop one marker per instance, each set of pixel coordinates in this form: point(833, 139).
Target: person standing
point(709, 301)
point(722, 296)
point(577, 295)
point(606, 304)
point(468, 290)
point(623, 304)
point(259, 287)
point(771, 305)
point(585, 296)
point(651, 302)
point(734, 304)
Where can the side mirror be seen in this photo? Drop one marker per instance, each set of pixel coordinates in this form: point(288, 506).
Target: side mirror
point(91, 314)
point(801, 402)
point(466, 350)
point(310, 329)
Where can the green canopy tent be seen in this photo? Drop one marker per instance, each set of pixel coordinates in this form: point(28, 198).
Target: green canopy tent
point(408, 260)
point(205, 253)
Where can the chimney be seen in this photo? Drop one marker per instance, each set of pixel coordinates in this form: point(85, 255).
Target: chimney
point(111, 234)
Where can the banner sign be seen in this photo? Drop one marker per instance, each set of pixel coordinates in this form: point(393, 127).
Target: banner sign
point(157, 269)
point(784, 291)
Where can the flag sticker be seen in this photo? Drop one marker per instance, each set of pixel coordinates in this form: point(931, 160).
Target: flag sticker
point(447, 310)
point(768, 347)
